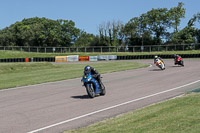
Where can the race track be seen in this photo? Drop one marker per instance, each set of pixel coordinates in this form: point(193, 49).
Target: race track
point(58, 106)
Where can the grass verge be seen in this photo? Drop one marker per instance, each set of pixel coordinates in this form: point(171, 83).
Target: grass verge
point(180, 115)
point(18, 54)
point(22, 74)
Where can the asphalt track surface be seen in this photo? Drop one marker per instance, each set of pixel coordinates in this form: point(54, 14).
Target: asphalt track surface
point(58, 106)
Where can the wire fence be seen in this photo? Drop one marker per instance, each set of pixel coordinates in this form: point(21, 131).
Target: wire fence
point(101, 49)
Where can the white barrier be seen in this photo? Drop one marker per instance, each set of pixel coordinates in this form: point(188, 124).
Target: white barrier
point(73, 58)
point(107, 57)
point(93, 58)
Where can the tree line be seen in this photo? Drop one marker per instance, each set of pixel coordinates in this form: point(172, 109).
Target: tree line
point(155, 27)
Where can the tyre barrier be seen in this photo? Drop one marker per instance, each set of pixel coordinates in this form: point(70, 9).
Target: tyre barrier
point(13, 60)
point(131, 57)
point(43, 59)
point(35, 59)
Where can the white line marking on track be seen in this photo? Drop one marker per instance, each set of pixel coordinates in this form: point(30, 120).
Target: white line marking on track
point(108, 108)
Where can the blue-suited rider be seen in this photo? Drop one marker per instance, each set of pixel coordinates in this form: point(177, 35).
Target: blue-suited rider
point(95, 74)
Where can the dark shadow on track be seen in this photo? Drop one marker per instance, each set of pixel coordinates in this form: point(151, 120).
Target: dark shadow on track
point(156, 70)
point(81, 97)
point(176, 66)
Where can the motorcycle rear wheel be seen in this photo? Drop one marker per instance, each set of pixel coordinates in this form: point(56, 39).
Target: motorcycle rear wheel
point(103, 90)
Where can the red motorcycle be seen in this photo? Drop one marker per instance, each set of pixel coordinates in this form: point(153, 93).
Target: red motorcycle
point(178, 61)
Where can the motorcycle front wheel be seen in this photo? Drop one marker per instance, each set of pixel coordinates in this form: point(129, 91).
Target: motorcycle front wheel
point(182, 63)
point(90, 90)
point(162, 67)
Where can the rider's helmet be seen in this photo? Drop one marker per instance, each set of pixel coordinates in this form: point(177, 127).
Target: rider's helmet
point(155, 57)
point(87, 69)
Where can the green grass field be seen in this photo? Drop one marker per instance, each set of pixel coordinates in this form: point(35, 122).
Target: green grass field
point(18, 54)
point(22, 74)
point(180, 115)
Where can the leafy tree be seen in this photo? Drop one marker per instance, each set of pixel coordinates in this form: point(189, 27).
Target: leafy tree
point(7, 36)
point(158, 23)
point(184, 36)
point(85, 39)
point(152, 27)
point(103, 38)
point(137, 32)
point(40, 32)
point(68, 32)
point(195, 18)
point(191, 23)
point(175, 14)
point(111, 33)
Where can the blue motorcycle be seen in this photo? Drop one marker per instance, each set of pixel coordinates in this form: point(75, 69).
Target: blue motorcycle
point(92, 86)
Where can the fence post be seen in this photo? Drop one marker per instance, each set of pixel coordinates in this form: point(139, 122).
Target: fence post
point(45, 49)
point(149, 48)
point(101, 49)
point(85, 50)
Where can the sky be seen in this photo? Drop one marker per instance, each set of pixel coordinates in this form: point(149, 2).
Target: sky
point(88, 14)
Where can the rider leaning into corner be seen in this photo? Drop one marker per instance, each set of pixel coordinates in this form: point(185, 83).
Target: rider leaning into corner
point(95, 74)
point(176, 56)
point(156, 57)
